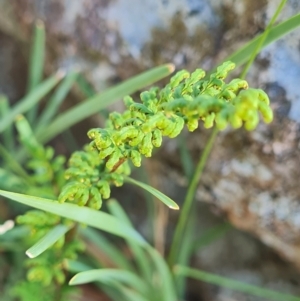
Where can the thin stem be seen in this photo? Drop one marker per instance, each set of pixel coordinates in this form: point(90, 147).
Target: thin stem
point(262, 39)
point(188, 202)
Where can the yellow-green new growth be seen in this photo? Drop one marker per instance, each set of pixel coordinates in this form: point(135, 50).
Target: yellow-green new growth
point(186, 100)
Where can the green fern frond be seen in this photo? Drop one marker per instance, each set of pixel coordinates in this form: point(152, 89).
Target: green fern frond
point(186, 100)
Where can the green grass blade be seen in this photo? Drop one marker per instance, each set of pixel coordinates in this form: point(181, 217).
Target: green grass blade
point(15, 233)
point(167, 289)
point(185, 156)
point(8, 139)
point(209, 236)
point(30, 100)
point(107, 275)
point(55, 101)
point(26, 136)
point(11, 236)
point(85, 86)
point(190, 244)
point(127, 293)
point(12, 164)
point(36, 65)
point(115, 279)
point(262, 39)
point(162, 197)
point(37, 56)
point(88, 90)
point(143, 176)
point(184, 256)
point(189, 200)
point(233, 284)
point(243, 54)
point(75, 266)
point(11, 246)
point(115, 208)
point(47, 241)
point(137, 252)
point(109, 249)
point(87, 216)
point(98, 102)
point(11, 182)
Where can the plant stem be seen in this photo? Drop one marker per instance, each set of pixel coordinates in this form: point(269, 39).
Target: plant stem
point(188, 202)
point(262, 39)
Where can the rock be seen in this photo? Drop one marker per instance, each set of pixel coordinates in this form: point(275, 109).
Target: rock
point(109, 42)
point(254, 179)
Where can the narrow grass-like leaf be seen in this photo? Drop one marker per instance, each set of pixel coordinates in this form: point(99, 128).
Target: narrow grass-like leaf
point(26, 135)
point(10, 236)
point(243, 54)
point(209, 236)
point(37, 56)
point(115, 208)
point(233, 284)
point(10, 181)
point(84, 86)
point(138, 253)
point(13, 164)
point(189, 200)
point(75, 266)
point(55, 101)
point(186, 158)
point(8, 140)
point(109, 249)
point(90, 217)
point(115, 293)
point(47, 241)
point(127, 293)
point(96, 103)
point(89, 91)
point(262, 39)
point(190, 243)
point(167, 289)
point(162, 197)
point(30, 99)
point(36, 65)
point(184, 256)
point(113, 290)
point(143, 176)
point(17, 232)
point(11, 246)
point(108, 275)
